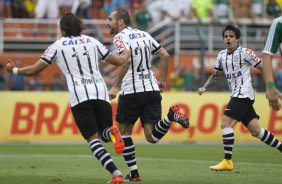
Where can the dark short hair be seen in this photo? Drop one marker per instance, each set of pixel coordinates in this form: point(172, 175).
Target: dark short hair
point(124, 15)
point(71, 25)
point(233, 28)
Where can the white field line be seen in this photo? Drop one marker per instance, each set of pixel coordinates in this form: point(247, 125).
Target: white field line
point(120, 157)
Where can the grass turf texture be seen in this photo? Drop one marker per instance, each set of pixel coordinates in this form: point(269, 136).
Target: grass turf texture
point(161, 163)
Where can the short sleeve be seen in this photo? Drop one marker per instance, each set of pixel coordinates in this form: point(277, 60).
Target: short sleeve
point(103, 51)
point(251, 57)
point(49, 54)
point(155, 45)
point(218, 62)
point(120, 43)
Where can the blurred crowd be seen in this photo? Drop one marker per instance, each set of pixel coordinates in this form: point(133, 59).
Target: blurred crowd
point(145, 14)
point(19, 83)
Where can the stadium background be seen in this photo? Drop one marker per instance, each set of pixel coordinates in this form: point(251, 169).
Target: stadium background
point(42, 115)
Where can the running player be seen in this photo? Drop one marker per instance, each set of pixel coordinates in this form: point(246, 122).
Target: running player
point(77, 56)
point(140, 91)
point(236, 62)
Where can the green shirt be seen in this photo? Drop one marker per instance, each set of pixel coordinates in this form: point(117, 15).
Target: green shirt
point(274, 37)
point(142, 19)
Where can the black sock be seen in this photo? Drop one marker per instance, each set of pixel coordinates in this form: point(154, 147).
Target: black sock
point(129, 155)
point(161, 128)
point(102, 155)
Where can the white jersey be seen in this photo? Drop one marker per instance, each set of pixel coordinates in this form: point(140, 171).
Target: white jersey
point(78, 58)
point(139, 77)
point(237, 66)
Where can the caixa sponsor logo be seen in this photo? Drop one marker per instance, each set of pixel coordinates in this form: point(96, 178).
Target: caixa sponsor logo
point(233, 75)
point(137, 35)
point(76, 42)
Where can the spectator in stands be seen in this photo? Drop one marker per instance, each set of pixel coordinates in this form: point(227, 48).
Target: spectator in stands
point(110, 5)
point(258, 7)
point(36, 84)
point(242, 9)
point(202, 9)
point(46, 9)
point(30, 8)
point(273, 10)
point(65, 6)
point(142, 17)
point(98, 12)
point(3, 82)
point(191, 79)
point(279, 2)
point(222, 10)
point(58, 83)
point(177, 78)
point(5, 8)
point(82, 8)
point(187, 9)
point(18, 9)
point(172, 14)
point(155, 9)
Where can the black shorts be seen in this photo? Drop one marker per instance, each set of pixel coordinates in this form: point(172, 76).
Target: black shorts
point(146, 105)
point(241, 109)
point(92, 116)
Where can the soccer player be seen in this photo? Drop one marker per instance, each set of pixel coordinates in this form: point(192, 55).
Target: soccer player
point(236, 62)
point(77, 56)
point(272, 44)
point(139, 89)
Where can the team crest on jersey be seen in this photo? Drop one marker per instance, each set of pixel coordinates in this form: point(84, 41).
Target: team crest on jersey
point(236, 59)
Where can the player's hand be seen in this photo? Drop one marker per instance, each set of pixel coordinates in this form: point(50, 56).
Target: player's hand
point(113, 92)
point(201, 90)
point(10, 65)
point(274, 98)
point(162, 86)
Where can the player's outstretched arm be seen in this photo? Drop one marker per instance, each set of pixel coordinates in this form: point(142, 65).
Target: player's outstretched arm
point(210, 82)
point(164, 68)
point(119, 60)
point(26, 71)
point(272, 93)
point(118, 79)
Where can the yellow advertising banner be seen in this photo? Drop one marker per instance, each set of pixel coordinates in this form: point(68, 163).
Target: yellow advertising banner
point(46, 117)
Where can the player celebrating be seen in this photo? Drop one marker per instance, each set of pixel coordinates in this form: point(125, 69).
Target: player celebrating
point(77, 56)
point(140, 92)
point(236, 62)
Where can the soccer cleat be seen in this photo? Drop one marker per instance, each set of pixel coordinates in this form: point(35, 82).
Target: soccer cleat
point(175, 115)
point(129, 178)
point(224, 165)
point(116, 179)
point(116, 140)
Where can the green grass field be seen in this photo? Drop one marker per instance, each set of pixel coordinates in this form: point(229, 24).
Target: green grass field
point(161, 163)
